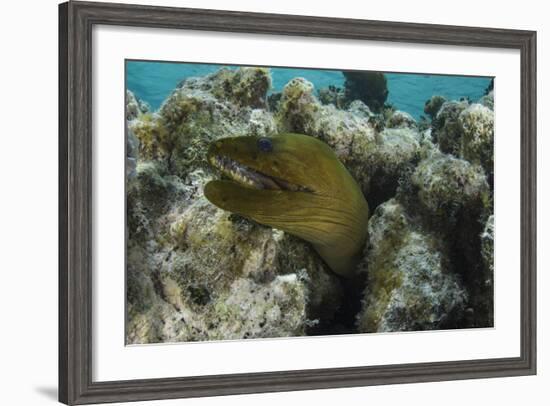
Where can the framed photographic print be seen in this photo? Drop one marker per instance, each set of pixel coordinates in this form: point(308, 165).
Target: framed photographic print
point(259, 202)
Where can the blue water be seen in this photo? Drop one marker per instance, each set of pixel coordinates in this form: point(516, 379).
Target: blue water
point(153, 82)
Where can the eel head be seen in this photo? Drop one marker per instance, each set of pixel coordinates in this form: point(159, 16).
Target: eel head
point(295, 183)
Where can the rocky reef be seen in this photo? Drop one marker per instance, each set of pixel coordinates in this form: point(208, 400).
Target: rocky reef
point(195, 272)
point(410, 282)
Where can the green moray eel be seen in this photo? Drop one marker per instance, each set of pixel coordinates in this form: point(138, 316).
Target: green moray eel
point(294, 183)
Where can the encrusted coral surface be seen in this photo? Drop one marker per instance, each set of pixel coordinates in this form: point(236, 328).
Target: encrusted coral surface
point(477, 123)
point(447, 184)
point(195, 272)
point(410, 284)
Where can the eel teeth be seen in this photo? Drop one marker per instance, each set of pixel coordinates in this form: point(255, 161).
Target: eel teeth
point(249, 177)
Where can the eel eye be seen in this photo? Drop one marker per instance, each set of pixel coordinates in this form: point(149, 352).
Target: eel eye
point(265, 145)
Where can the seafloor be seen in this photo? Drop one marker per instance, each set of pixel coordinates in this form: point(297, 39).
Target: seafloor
point(195, 272)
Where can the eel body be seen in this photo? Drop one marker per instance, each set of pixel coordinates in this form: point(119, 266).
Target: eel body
point(294, 183)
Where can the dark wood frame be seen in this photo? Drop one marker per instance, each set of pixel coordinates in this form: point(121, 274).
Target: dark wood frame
point(76, 20)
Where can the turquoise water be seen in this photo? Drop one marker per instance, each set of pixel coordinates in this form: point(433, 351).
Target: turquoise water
point(153, 82)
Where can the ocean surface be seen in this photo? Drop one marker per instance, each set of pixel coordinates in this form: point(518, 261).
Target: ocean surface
point(154, 81)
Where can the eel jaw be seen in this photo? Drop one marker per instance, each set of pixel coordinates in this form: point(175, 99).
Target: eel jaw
point(248, 177)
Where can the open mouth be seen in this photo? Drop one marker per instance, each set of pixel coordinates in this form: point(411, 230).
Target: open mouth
point(249, 177)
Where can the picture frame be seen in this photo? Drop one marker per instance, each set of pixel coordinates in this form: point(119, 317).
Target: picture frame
point(76, 256)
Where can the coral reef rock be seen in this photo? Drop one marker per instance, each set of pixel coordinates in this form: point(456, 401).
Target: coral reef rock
point(394, 154)
point(487, 245)
point(134, 106)
point(360, 109)
point(195, 272)
point(447, 184)
point(401, 119)
point(369, 87)
point(223, 104)
point(367, 153)
point(467, 131)
point(134, 109)
point(446, 129)
point(410, 285)
point(484, 288)
point(488, 100)
point(477, 125)
point(333, 95)
point(350, 135)
point(432, 106)
point(268, 284)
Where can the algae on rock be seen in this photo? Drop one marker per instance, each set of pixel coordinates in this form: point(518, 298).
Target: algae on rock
point(432, 106)
point(195, 272)
point(446, 129)
point(477, 122)
point(466, 131)
point(410, 284)
point(366, 152)
point(488, 100)
point(447, 184)
point(483, 285)
point(266, 285)
point(134, 106)
point(401, 119)
point(225, 103)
